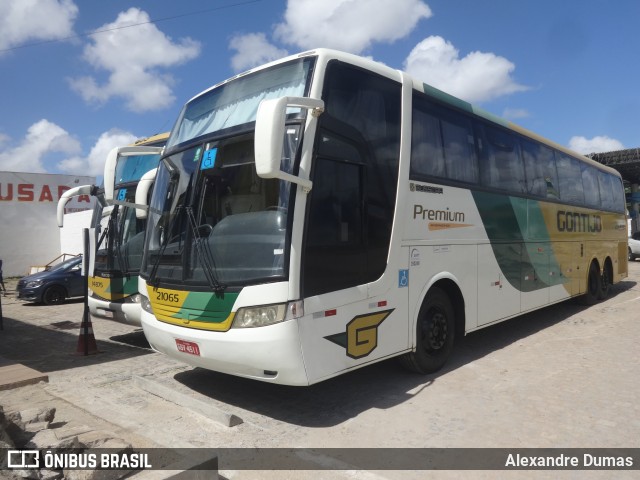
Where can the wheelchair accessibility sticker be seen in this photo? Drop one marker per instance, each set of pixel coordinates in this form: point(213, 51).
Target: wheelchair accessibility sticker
point(403, 278)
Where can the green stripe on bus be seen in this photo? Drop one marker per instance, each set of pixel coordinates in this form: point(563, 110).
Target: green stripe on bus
point(207, 306)
point(517, 231)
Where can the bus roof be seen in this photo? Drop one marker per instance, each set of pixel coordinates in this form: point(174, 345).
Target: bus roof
point(425, 88)
point(158, 138)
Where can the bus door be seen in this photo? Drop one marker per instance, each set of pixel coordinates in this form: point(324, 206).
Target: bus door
point(343, 327)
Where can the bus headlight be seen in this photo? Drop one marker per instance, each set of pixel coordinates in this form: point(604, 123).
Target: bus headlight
point(264, 315)
point(136, 298)
point(145, 304)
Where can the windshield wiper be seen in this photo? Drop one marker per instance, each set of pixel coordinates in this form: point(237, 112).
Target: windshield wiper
point(117, 248)
point(204, 254)
point(153, 279)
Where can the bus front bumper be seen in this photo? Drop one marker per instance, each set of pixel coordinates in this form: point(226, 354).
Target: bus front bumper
point(121, 312)
point(271, 354)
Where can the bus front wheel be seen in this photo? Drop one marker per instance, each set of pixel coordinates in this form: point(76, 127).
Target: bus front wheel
point(435, 333)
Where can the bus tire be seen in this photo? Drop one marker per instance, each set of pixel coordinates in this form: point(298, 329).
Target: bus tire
point(435, 334)
point(605, 281)
point(594, 285)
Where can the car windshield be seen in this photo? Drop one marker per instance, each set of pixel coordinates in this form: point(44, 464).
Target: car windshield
point(66, 264)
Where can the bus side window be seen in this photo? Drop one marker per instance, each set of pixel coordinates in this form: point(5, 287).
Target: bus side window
point(501, 166)
point(335, 254)
point(606, 186)
point(427, 152)
point(443, 144)
point(618, 194)
point(459, 148)
point(540, 170)
point(571, 189)
point(590, 184)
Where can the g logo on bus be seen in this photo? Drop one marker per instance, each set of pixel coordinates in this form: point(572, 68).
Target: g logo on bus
point(361, 337)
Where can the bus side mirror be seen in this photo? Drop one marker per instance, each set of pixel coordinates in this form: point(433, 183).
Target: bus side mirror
point(142, 193)
point(111, 165)
point(269, 136)
point(68, 195)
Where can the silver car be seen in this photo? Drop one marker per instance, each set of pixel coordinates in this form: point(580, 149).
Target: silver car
point(634, 246)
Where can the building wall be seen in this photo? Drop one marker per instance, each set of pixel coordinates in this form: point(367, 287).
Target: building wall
point(29, 234)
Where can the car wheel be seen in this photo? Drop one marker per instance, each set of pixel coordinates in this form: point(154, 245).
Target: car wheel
point(632, 257)
point(54, 295)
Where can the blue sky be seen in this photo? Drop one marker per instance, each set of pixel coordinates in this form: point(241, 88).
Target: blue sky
point(568, 70)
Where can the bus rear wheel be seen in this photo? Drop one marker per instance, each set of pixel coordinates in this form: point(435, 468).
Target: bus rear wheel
point(594, 285)
point(435, 333)
point(605, 281)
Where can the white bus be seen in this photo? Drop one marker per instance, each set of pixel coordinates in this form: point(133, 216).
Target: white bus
point(324, 212)
point(119, 228)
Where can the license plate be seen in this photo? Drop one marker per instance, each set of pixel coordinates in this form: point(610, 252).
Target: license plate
point(105, 313)
point(188, 347)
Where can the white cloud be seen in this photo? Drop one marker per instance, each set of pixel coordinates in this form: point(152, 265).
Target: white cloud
point(350, 25)
point(93, 164)
point(596, 144)
point(42, 138)
point(134, 58)
point(35, 20)
point(253, 49)
point(478, 77)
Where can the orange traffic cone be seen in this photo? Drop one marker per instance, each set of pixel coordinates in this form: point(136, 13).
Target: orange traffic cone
point(87, 340)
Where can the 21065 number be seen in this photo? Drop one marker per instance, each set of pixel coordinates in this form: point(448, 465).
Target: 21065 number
point(167, 297)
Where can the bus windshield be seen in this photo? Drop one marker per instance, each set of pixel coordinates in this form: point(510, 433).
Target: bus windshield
point(236, 102)
point(213, 222)
point(120, 237)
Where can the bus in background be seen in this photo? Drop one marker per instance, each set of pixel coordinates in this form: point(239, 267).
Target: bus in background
point(119, 228)
point(324, 212)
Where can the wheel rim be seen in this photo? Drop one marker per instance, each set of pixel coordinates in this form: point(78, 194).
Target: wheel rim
point(55, 296)
point(435, 330)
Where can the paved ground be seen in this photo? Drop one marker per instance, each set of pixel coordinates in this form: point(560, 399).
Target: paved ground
point(566, 376)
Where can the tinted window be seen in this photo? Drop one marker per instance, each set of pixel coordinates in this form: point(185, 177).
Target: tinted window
point(501, 165)
point(570, 176)
point(443, 143)
point(427, 152)
point(606, 186)
point(590, 184)
point(540, 170)
point(459, 148)
point(356, 167)
point(618, 194)
point(335, 252)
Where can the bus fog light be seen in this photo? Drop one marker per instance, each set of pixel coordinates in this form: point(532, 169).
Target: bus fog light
point(259, 316)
